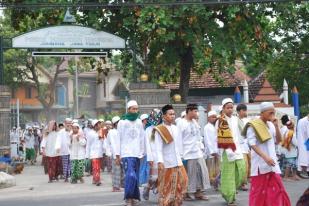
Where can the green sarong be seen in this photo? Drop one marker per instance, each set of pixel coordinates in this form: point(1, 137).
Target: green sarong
point(232, 175)
point(77, 169)
point(30, 154)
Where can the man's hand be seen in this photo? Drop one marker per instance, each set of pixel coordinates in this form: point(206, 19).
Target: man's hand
point(214, 154)
point(151, 163)
point(160, 166)
point(269, 161)
point(275, 122)
point(58, 151)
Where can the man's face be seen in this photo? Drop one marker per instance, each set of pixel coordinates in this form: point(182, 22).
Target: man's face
point(68, 125)
point(192, 114)
point(133, 109)
point(75, 130)
point(169, 116)
point(212, 119)
point(268, 115)
point(228, 109)
point(242, 113)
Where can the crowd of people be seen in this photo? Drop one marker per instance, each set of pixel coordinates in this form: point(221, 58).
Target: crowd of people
point(176, 158)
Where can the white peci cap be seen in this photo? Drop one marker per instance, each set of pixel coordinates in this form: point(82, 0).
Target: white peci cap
point(75, 124)
point(131, 103)
point(266, 106)
point(144, 116)
point(212, 113)
point(94, 122)
point(227, 100)
point(115, 119)
point(183, 114)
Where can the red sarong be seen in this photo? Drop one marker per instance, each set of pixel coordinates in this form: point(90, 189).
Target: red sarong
point(268, 190)
point(96, 166)
point(53, 167)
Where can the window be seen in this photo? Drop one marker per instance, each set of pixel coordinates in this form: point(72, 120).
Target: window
point(60, 95)
point(28, 92)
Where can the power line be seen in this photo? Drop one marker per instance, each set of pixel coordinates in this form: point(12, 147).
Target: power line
point(96, 5)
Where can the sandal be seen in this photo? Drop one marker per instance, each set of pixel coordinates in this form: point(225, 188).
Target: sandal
point(202, 197)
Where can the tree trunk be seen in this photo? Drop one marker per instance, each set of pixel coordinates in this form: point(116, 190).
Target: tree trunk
point(186, 63)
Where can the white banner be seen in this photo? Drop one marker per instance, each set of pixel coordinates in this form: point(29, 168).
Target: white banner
point(70, 37)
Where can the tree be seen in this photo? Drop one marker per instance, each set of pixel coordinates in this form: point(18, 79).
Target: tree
point(290, 61)
point(175, 40)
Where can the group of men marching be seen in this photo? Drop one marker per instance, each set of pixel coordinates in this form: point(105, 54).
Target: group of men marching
point(168, 155)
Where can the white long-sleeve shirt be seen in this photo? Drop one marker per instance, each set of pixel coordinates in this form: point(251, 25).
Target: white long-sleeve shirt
point(233, 125)
point(48, 143)
point(189, 133)
point(150, 146)
point(258, 164)
point(210, 139)
point(29, 139)
point(95, 145)
point(302, 137)
point(14, 137)
point(78, 146)
point(112, 141)
point(169, 154)
point(63, 142)
point(242, 140)
point(293, 145)
point(132, 139)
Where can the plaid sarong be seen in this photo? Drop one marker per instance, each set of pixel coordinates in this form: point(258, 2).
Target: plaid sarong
point(198, 175)
point(116, 174)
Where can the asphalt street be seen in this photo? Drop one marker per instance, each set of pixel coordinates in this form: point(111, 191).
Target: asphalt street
point(32, 189)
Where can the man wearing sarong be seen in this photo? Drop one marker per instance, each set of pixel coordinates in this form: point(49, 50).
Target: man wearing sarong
point(112, 141)
point(173, 180)
point(49, 150)
point(94, 151)
point(211, 148)
point(78, 153)
point(63, 148)
point(242, 121)
point(192, 153)
point(155, 118)
point(29, 141)
point(303, 147)
point(267, 188)
point(130, 150)
point(233, 167)
point(144, 167)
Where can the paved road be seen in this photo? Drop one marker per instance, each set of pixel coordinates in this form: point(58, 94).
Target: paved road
point(32, 189)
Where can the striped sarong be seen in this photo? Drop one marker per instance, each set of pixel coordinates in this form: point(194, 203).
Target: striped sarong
point(173, 183)
point(232, 176)
point(116, 174)
point(198, 175)
point(66, 166)
point(131, 168)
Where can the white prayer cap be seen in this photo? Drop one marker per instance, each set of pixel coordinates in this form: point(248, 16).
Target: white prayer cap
point(183, 114)
point(108, 122)
point(266, 106)
point(227, 100)
point(75, 124)
point(68, 119)
point(101, 120)
point(94, 122)
point(211, 113)
point(14, 127)
point(131, 103)
point(75, 121)
point(115, 119)
point(144, 116)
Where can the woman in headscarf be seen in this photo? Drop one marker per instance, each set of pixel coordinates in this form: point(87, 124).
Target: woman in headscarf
point(49, 150)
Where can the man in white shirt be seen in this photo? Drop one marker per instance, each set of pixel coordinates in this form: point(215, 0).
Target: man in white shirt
point(130, 150)
point(233, 167)
point(63, 148)
point(211, 148)
point(94, 151)
point(14, 140)
point(267, 188)
point(242, 121)
point(29, 141)
point(173, 178)
point(303, 146)
point(192, 153)
point(111, 143)
point(49, 150)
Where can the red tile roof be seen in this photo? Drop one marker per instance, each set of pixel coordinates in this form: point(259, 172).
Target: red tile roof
point(260, 90)
point(212, 80)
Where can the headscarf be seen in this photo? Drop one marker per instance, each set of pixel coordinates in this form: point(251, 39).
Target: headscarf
point(51, 126)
